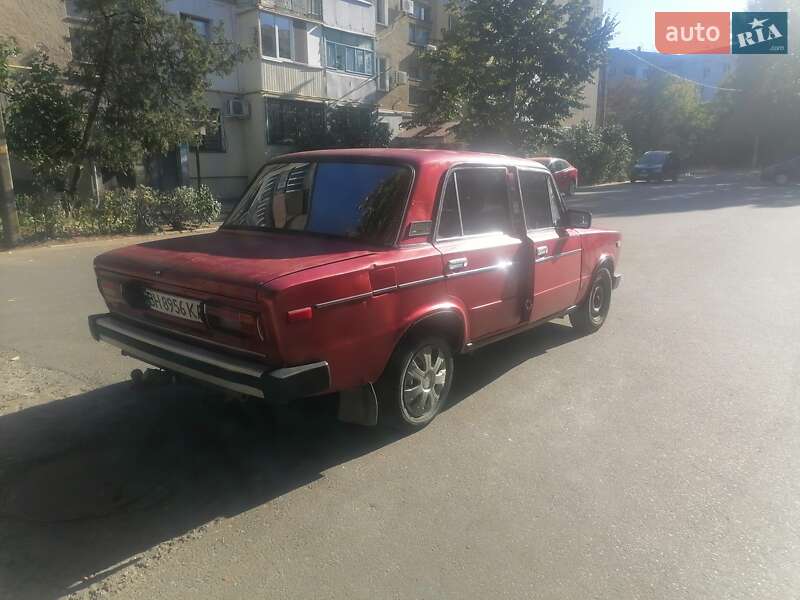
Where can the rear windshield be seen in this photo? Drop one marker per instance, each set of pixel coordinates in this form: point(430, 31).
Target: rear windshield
point(653, 158)
point(362, 201)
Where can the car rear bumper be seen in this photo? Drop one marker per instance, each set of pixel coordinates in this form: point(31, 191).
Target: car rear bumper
point(217, 368)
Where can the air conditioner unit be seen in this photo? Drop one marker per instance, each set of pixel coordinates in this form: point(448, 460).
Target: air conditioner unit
point(400, 78)
point(407, 6)
point(237, 108)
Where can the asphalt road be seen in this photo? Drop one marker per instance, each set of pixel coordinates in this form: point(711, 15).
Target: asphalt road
point(658, 458)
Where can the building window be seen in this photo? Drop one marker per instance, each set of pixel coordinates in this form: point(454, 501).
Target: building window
point(75, 44)
point(214, 138)
point(349, 52)
point(422, 12)
point(276, 36)
point(201, 26)
point(381, 12)
point(417, 95)
point(417, 35)
point(383, 73)
point(288, 119)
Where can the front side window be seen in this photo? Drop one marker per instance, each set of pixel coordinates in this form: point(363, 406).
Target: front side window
point(535, 199)
point(362, 201)
point(475, 202)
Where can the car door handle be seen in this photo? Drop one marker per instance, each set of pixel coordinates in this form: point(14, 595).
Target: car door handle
point(541, 250)
point(457, 263)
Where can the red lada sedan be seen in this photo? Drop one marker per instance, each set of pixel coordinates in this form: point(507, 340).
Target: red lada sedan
point(361, 272)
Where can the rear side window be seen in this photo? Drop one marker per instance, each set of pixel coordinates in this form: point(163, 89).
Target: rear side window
point(536, 199)
point(475, 202)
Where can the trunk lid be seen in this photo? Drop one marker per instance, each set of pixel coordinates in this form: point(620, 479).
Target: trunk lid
point(233, 263)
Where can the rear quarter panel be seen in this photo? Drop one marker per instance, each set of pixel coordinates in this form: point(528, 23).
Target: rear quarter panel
point(382, 295)
point(598, 245)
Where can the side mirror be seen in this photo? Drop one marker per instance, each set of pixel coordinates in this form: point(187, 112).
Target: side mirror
point(578, 219)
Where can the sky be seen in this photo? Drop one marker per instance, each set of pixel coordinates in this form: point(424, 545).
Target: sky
point(637, 17)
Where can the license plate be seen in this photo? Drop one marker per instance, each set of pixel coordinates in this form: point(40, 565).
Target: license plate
point(173, 305)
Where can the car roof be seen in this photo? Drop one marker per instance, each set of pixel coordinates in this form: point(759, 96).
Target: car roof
point(415, 157)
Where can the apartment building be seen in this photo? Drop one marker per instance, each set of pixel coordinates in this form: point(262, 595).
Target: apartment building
point(307, 54)
point(404, 29)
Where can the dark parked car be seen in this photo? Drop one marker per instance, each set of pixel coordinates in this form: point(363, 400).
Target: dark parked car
point(656, 165)
point(782, 173)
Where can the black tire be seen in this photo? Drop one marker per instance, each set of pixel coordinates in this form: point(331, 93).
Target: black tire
point(394, 407)
point(590, 315)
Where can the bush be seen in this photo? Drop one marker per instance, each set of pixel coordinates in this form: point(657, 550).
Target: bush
point(138, 210)
point(601, 155)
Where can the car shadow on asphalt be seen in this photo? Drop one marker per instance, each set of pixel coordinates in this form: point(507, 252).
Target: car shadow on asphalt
point(691, 194)
point(89, 482)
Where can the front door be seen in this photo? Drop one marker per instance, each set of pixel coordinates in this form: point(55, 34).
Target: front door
point(556, 249)
point(483, 260)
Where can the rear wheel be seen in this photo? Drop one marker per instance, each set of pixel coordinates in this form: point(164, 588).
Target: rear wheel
point(590, 315)
point(416, 383)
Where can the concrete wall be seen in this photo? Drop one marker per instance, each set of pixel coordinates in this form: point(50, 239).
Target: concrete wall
point(36, 24)
point(357, 16)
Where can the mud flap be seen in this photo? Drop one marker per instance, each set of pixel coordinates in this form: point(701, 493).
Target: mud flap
point(359, 406)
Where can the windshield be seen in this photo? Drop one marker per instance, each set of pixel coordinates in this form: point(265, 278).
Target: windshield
point(362, 201)
point(653, 158)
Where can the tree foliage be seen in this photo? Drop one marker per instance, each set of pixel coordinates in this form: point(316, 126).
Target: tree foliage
point(135, 85)
point(760, 123)
point(600, 154)
point(661, 113)
point(512, 70)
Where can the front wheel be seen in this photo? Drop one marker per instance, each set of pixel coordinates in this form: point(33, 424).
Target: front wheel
point(590, 315)
point(416, 383)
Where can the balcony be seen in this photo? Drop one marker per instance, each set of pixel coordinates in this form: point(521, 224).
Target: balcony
point(293, 78)
point(311, 9)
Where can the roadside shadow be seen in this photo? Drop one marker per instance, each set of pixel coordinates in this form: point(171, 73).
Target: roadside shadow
point(90, 482)
point(700, 193)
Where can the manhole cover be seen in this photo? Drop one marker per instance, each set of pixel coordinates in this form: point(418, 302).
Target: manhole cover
point(81, 485)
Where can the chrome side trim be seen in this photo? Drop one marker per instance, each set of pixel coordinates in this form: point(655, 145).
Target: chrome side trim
point(385, 290)
point(555, 256)
point(176, 347)
point(409, 284)
point(355, 298)
point(168, 364)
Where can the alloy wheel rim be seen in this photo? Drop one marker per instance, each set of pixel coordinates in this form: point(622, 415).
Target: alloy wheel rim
point(424, 382)
point(596, 302)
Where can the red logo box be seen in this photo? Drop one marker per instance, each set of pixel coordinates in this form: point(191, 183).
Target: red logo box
point(693, 32)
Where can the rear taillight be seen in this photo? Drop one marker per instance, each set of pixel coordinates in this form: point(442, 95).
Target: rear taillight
point(111, 290)
point(231, 320)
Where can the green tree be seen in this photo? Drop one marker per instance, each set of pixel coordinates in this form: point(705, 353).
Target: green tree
point(8, 202)
point(661, 113)
point(512, 70)
point(760, 123)
point(600, 154)
point(136, 85)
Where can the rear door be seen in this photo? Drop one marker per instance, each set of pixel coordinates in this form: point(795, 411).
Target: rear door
point(482, 256)
point(556, 249)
